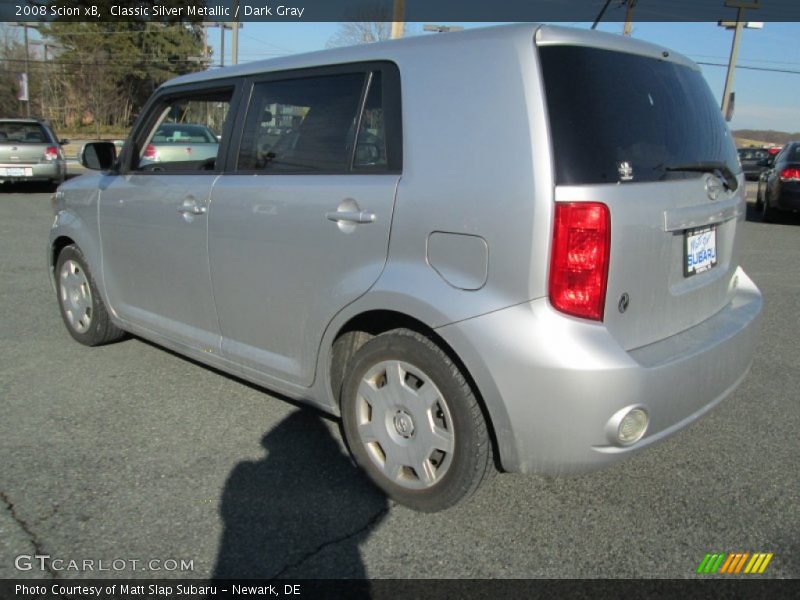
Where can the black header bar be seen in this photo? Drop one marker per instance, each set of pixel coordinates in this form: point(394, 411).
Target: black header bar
point(427, 11)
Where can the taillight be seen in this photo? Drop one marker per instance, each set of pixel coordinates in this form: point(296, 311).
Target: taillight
point(150, 152)
point(51, 153)
point(790, 174)
point(579, 262)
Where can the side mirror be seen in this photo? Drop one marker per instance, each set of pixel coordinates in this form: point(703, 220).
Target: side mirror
point(98, 156)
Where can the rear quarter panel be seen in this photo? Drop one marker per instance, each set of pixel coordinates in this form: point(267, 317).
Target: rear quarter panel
point(476, 162)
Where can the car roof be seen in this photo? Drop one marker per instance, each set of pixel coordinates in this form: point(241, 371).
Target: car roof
point(24, 121)
point(397, 49)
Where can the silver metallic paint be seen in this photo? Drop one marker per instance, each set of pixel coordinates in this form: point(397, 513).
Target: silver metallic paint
point(550, 382)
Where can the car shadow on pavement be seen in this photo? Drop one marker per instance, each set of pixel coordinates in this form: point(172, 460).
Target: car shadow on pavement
point(782, 218)
point(37, 187)
point(301, 511)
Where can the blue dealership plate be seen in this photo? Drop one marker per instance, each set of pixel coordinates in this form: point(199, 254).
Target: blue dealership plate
point(700, 250)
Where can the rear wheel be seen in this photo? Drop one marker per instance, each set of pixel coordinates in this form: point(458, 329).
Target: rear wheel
point(413, 423)
point(768, 214)
point(759, 206)
point(82, 308)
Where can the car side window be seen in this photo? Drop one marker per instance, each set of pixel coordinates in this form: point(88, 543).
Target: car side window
point(186, 134)
point(371, 143)
point(301, 125)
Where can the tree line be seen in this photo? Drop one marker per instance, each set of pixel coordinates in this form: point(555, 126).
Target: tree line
point(94, 76)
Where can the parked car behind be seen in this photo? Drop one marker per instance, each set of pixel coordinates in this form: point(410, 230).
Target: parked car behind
point(180, 142)
point(752, 160)
point(766, 166)
point(556, 308)
point(30, 151)
point(780, 189)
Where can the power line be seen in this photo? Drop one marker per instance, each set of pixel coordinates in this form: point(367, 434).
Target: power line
point(768, 69)
point(260, 41)
point(753, 60)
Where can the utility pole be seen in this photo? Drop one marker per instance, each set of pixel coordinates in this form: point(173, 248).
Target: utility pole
point(737, 27)
point(235, 34)
point(26, 74)
point(398, 24)
point(27, 70)
point(628, 17)
point(46, 89)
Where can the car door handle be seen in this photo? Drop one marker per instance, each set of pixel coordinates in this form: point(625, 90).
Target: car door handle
point(351, 216)
point(192, 210)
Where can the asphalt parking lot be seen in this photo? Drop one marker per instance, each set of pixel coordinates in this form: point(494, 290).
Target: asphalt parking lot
point(131, 453)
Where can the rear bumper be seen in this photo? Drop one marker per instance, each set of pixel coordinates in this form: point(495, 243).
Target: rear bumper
point(51, 171)
point(788, 198)
point(552, 384)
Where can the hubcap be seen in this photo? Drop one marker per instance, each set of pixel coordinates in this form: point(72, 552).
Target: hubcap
point(75, 295)
point(404, 424)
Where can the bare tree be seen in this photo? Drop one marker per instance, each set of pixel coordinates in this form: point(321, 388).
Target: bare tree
point(361, 32)
point(370, 22)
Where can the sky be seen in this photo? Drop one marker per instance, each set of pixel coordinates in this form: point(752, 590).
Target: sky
point(764, 99)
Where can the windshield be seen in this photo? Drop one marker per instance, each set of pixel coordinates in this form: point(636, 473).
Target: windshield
point(621, 117)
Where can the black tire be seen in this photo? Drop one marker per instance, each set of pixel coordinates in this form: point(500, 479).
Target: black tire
point(80, 303)
point(768, 214)
point(428, 411)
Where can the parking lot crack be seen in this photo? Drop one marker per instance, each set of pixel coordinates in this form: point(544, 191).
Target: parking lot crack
point(375, 519)
point(32, 537)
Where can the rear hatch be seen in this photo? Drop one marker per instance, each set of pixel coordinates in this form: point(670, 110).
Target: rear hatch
point(638, 129)
point(22, 142)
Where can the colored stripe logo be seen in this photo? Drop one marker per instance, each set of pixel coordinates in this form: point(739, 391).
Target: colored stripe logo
point(734, 563)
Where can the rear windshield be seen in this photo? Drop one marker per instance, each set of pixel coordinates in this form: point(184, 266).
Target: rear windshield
point(620, 117)
point(23, 133)
point(184, 134)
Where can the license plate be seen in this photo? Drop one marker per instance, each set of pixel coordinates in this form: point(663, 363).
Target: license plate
point(700, 251)
point(17, 172)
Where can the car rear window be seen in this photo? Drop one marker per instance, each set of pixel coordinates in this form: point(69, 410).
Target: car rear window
point(622, 117)
point(183, 134)
point(23, 133)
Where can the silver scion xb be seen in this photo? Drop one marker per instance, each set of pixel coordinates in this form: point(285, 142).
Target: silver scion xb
point(514, 247)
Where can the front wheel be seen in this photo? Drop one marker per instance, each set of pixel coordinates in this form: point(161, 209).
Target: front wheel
point(413, 423)
point(82, 308)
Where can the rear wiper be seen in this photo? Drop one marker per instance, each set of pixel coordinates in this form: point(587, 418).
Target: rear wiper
point(720, 169)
